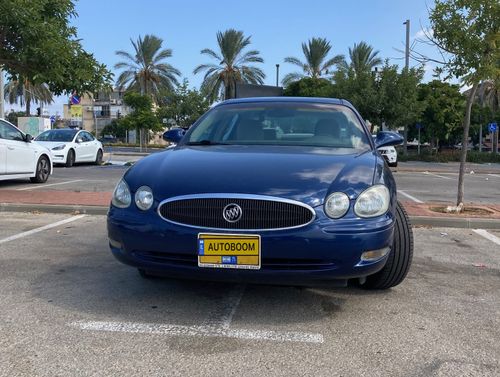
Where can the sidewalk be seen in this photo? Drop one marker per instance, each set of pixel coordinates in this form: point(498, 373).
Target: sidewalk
point(447, 167)
point(98, 203)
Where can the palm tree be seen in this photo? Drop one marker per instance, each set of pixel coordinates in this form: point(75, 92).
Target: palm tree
point(232, 66)
point(316, 64)
point(145, 69)
point(23, 92)
point(363, 58)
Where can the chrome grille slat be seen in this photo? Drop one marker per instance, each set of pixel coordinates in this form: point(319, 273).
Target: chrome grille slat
point(259, 212)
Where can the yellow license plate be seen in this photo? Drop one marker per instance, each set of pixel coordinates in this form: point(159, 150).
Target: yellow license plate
point(229, 250)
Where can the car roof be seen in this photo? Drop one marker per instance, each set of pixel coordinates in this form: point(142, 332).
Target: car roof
point(333, 101)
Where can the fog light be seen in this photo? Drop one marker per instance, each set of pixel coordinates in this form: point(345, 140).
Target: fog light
point(373, 255)
point(115, 244)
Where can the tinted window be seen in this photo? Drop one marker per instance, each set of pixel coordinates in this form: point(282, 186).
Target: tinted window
point(87, 136)
point(304, 124)
point(57, 135)
point(9, 132)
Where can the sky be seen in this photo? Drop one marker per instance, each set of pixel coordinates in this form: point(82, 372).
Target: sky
point(277, 29)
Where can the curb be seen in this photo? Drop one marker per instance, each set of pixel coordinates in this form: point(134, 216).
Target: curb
point(443, 222)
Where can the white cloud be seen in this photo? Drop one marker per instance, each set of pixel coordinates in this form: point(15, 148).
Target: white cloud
point(422, 33)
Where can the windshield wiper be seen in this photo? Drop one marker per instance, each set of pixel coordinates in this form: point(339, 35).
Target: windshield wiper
point(205, 142)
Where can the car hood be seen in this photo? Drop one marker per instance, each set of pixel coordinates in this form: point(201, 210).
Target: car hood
point(306, 174)
point(52, 144)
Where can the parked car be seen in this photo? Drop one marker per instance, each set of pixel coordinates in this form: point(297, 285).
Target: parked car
point(20, 157)
point(236, 200)
point(470, 146)
point(389, 154)
point(108, 139)
point(70, 146)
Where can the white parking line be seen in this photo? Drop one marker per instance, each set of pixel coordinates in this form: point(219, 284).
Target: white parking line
point(222, 318)
point(487, 235)
point(409, 196)
point(437, 175)
point(202, 331)
point(45, 185)
point(494, 175)
point(41, 229)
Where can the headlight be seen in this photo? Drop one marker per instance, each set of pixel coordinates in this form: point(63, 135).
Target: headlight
point(59, 147)
point(144, 198)
point(372, 202)
point(121, 195)
point(336, 205)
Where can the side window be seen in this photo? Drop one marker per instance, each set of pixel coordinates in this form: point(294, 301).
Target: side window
point(10, 133)
point(87, 137)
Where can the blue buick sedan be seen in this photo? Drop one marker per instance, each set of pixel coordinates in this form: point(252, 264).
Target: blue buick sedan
point(266, 190)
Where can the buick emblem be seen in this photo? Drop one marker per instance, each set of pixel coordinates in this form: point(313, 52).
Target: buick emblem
point(232, 213)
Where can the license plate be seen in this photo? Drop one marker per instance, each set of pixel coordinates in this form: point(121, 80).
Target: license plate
point(229, 251)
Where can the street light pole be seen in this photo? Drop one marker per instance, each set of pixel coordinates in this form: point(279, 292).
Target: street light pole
point(2, 113)
point(277, 74)
point(407, 67)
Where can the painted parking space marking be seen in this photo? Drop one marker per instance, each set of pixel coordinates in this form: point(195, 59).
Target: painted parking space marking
point(199, 331)
point(48, 185)
point(41, 229)
point(494, 175)
point(409, 196)
point(484, 233)
point(217, 324)
point(437, 175)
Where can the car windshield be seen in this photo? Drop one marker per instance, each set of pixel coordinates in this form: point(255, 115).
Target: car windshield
point(57, 135)
point(281, 123)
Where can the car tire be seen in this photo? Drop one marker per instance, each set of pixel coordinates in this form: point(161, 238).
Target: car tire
point(400, 256)
point(98, 157)
point(42, 170)
point(70, 158)
point(394, 165)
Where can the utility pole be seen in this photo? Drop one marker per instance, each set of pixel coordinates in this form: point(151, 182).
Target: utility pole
point(407, 67)
point(2, 114)
point(277, 74)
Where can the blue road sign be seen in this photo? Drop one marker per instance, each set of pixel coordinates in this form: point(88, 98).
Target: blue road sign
point(75, 100)
point(419, 126)
point(52, 119)
point(492, 127)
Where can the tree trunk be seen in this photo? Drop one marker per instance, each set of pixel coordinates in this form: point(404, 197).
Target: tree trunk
point(28, 107)
point(465, 144)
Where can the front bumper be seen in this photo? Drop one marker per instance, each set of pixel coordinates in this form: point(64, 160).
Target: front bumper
point(323, 252)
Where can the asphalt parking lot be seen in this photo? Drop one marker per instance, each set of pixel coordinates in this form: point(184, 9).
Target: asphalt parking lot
point(70, 309)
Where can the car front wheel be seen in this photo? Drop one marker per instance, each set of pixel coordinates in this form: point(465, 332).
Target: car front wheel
point(400, 256)
point(70, 159)
point(42, 170)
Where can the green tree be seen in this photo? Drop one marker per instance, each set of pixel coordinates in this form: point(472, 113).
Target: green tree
point(142, 118)
point(232, 67)
point(310, 87)
point(13, 115)
point(38, 43)
point(146, 71)
point(468, 34)
point(316, 64)
point(116, 128)
point(183, 106)
point(443, 113)
point(363, 59)
point(23, 92)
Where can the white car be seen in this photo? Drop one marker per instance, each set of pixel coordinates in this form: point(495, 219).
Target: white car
point(69, 146)
point(390, 154)
point(20, 157)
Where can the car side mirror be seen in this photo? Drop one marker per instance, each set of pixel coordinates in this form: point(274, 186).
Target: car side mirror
point(174, 135)
point(79, 140)
point(28, 138)
point(387, 138)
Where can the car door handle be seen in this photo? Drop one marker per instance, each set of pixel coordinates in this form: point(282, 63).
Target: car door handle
point(11, 148)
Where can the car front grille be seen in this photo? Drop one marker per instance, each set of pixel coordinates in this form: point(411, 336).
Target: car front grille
point(257, 212)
